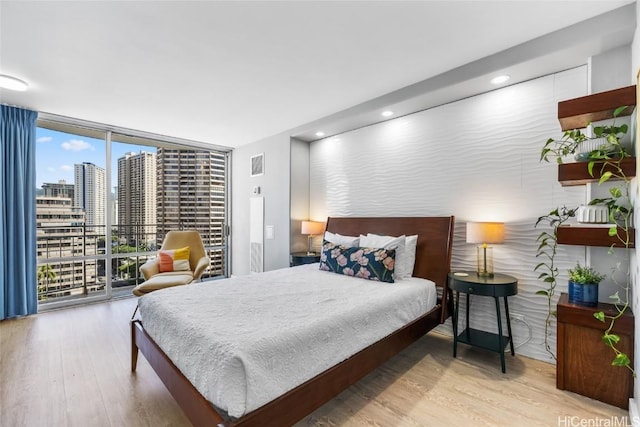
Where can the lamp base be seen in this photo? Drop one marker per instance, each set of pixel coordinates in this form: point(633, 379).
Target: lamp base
point(485, 261)
point(309, 238)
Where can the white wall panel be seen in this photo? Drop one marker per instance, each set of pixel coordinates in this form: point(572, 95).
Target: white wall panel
point(477, 159)
point(274, 187)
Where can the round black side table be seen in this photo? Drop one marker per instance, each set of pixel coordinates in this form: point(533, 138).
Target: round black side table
point(497, 286)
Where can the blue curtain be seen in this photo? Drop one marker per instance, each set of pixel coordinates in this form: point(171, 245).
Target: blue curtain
point(18, 277)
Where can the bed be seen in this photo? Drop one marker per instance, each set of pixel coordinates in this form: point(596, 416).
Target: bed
point(433, 255)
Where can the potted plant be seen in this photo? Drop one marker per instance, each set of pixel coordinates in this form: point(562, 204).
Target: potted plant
point(605, 143)
point(583, 285)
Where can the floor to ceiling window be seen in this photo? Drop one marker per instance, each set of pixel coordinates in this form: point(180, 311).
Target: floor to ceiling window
point(106, 199)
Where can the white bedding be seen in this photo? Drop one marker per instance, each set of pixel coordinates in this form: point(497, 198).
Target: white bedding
point(244, 341)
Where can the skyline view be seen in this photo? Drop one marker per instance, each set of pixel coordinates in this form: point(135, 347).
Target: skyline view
point(57, 152)
point(162, 190)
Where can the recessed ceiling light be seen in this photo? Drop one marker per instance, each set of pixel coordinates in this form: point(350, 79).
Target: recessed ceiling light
point(319, 133)
point(500, 79)
point(8, 82)
point(387, 113)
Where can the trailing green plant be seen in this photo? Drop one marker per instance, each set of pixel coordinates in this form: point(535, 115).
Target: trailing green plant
point(607, 161)
point(611, 339)
point(584, 274)
point(548, 272)
point(620, 215)
point(573, 138)
point(619, 202)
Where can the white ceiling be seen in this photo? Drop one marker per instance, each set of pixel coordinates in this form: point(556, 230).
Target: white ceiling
point(231, 73)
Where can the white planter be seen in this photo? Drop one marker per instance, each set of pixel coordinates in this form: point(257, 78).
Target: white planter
point(596, 214)
point(586, 147)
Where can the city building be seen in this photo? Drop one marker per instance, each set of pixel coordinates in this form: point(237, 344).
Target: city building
point(136, 199)
point(90, 193)
point(63, 242)
point(59, 189)
point(191, 195)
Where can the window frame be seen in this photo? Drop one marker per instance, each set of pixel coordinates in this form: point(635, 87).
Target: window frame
point(125, 135)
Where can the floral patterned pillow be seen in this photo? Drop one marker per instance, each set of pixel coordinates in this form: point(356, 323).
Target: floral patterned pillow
point(367, 263)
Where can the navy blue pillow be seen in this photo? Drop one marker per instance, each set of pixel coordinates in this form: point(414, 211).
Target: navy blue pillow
point(367, 263)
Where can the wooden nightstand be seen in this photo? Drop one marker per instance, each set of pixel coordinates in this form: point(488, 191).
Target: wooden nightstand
point(299, 258)
point(500, 285)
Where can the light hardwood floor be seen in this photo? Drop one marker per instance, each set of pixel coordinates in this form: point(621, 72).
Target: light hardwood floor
point(71, 368)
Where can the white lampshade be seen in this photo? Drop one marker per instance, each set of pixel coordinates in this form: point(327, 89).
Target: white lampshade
point(485, 232)
point(312, 228)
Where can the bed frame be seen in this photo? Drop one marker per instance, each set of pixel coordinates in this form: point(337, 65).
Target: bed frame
point(433, 260)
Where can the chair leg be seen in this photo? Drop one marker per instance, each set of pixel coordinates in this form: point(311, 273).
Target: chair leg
point(134, 312)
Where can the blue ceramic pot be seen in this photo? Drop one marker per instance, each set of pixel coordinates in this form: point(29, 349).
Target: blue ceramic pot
point(583, 294)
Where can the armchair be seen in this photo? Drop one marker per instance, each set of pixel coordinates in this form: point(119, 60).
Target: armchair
point(198, 263)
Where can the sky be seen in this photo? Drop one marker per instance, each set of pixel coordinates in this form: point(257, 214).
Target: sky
point(57, 152)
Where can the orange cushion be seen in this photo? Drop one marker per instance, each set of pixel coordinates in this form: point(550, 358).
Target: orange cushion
point(174, 260)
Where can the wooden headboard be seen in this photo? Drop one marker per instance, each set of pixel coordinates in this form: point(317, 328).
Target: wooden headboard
point(435, 239)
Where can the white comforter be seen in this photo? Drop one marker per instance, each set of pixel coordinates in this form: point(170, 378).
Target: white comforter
point(244, 341)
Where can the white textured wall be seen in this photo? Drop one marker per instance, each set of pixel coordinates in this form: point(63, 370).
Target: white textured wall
point(476, 159)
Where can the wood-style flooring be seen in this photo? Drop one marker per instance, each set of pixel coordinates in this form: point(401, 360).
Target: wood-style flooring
point(71, 368)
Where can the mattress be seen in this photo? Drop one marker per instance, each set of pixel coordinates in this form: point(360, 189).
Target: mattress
point(244, 341)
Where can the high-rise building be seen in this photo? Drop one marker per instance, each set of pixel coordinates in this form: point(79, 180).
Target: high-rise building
point(62, 243)
point(137, 199)
point(191, 195)
point(89, 192)
point(59, 189)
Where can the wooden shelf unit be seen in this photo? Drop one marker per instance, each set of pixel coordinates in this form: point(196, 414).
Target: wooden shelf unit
point(578, 173)
point(593, 236)
point(579, 112)
point(584, 362)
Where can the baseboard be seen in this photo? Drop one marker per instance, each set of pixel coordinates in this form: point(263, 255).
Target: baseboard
point(634, 412)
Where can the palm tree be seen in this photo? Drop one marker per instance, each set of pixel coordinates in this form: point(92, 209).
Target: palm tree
point(45, 275)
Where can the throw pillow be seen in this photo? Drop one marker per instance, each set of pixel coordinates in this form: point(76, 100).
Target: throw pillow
point(366, 263)
point(411, 244)
point(174, 260)
point(389, 242)
point(339, 239)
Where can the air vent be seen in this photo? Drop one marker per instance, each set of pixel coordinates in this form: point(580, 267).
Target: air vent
point(257, 165)
point(256, 234)
point(257, 264)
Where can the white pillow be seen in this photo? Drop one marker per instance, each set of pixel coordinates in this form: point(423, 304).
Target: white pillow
point(338, 239)
point(388, 242)
point(410, 246)
point(405, 256)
